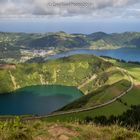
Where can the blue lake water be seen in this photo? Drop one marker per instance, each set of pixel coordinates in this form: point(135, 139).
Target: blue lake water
point(127, 54)
point(37, 100)
point(42, 100)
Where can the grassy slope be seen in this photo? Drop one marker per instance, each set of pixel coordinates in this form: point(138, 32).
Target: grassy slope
point(134, 70)
point(110, 76)
point(99, 96)
point(40, 130)
point(11, 43)
point(36, 130)
point(71, 71)
point(107, 111)
point(116, 108)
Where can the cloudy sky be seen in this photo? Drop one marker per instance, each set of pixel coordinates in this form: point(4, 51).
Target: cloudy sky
point(112, 12)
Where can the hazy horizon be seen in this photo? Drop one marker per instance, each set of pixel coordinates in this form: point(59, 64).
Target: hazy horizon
point(71, 16)
point(69, 27)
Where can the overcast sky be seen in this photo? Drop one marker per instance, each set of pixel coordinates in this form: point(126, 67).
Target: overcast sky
point(70, 11)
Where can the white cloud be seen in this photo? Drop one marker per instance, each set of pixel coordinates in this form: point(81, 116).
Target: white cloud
point(96, 8)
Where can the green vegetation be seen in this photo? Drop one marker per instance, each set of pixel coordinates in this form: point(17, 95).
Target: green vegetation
point(71, 71)
point(132, 97)
point(117, 108)
point(108, 83)
point(13, 44)
point(97, 77)
point(100, 96)
point(40, 130)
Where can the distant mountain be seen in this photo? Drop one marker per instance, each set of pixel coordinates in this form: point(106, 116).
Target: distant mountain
point(58, 40)
point(127, 39)
point(135, 42)
point(62, 39)
point(97, 36)
point(11, 43)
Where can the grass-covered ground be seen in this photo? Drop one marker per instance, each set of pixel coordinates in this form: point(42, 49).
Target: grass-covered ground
point(133, 69)
point(70, 71)
point(74, 71)
point(12, 45)
point(40, 130)
point(108, 83)
point(116, 108)
point(133, 97)
point(100, 96)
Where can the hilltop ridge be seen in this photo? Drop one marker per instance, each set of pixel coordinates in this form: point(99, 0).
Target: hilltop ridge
point(15, 46)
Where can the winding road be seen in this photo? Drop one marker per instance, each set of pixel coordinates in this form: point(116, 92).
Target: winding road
point(94, 107)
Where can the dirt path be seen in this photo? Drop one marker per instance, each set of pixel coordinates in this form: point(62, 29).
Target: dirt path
point(59, 132)
point(42, 80)
point(13, 79)
point(88, 81)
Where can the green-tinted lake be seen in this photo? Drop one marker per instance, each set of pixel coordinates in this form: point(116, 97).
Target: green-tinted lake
point(37, 100)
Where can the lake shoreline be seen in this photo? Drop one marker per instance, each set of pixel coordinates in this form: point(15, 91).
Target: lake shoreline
point(125, 53)
point(37, 100)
